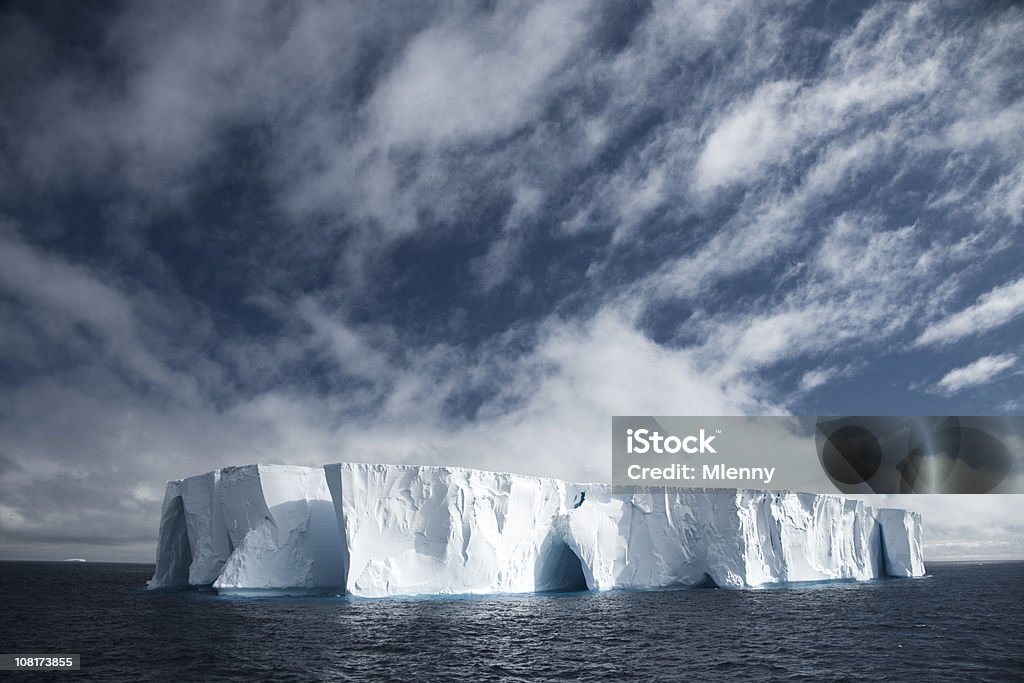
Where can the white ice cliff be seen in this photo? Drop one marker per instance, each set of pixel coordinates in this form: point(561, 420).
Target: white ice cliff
point(376, 530)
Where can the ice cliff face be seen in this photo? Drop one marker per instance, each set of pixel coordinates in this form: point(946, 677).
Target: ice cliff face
point(376, 530)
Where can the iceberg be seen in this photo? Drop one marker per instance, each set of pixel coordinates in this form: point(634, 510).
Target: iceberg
point(376, 530)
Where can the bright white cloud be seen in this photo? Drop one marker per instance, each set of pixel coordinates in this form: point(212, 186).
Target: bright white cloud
point(456, 85)
point(752, 136)
point(978, 373)
point(551, 415)
point(812, 379)
point(994, 308)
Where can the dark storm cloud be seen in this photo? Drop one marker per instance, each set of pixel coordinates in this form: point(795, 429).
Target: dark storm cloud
point(254, 231)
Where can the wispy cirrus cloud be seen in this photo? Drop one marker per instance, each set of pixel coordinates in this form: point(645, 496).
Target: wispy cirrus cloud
point(993, 309)
point(976, 374)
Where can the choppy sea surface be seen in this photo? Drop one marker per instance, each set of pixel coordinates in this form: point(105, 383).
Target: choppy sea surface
point(962, 622)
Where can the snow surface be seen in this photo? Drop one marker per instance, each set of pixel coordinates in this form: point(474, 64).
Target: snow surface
point(377, 530)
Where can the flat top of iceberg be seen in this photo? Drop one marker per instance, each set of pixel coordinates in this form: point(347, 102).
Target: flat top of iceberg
point(604, 486)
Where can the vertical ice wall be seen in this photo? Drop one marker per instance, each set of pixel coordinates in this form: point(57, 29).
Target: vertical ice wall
point(731, 538)
point(902, 542)
point(376, 530)
point(173, 555)
point(281, 520)
point(207, 534)
point(255, 527)
point(418, 529)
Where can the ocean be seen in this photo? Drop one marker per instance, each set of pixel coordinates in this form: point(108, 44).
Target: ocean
point(961, 622)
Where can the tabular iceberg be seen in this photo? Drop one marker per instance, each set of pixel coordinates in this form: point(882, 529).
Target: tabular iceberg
point(377, 530)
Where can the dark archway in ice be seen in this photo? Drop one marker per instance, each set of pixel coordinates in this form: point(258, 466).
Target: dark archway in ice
point(560, 570)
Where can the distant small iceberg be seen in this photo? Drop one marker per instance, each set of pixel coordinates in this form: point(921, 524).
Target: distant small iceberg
point(74, 559)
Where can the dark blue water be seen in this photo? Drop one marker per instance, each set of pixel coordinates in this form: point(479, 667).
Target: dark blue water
point(963, 622)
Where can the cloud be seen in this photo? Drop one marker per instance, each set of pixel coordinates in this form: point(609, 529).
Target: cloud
point(1006, 198)
point(748, 139)
point(993, 309)
point(978, 373)
point(465, 79)
point(58, 296)
point(860, 287)
point(353, 353)
point(799, 146)
point(543, 410)
point(812, 379)
point(867, 73)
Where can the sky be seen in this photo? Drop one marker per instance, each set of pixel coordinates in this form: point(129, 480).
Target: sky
point(470, 233)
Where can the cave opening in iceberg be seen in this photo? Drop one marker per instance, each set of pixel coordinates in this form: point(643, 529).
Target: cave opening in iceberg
point(561, 571)
point(706, 582)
